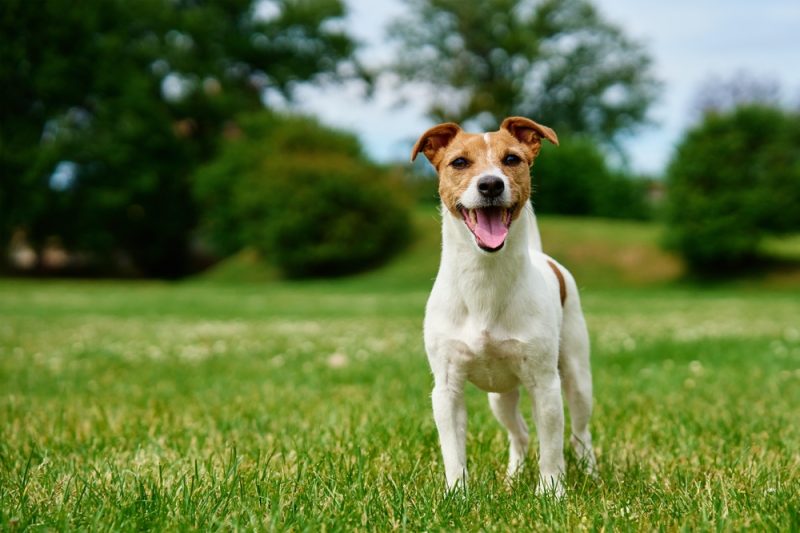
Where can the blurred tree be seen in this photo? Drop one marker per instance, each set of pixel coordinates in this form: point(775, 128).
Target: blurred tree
point(303, 195)
point(575, 179)
point(108, 107)
point(557, 61)
point(717, 95)
point(734, 178)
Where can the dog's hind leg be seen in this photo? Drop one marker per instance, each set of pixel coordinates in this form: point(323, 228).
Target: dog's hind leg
point(576, 380)
point(505, 408)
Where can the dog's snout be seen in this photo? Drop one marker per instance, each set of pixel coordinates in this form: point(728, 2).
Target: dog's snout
point(490, 186)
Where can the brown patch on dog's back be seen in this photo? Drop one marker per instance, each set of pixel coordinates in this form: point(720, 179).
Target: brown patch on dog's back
point(562, 285)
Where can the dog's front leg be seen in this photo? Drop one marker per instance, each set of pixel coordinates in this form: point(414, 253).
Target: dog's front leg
point(548, 411)
point(450, 414)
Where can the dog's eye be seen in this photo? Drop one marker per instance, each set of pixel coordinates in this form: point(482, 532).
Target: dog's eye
point(459, 163)
point(512, 160)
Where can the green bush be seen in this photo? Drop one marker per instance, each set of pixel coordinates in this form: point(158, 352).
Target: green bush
point(88, 88)
point(304, 196)
point(734, 178)
point(574, 179)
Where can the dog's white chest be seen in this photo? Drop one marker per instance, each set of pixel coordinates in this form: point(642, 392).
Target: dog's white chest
point(487, 353)
point(489, 334)
point(492, 362)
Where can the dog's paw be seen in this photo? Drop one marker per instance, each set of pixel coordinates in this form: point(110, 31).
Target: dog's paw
point(513, 471)
point(590, 468)
point(550, 486)
point(510, 480)
point(585, 455)
point(456, 493)
point(457, 484)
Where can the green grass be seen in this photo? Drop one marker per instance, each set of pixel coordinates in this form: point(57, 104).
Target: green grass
point(305, 406)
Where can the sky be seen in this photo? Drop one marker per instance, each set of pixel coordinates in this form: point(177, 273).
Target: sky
point(689, 41)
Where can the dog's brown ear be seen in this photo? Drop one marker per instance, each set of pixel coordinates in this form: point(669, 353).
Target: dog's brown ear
point(433, 140)
point(527, 131)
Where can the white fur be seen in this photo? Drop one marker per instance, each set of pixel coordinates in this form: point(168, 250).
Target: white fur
point(496, 319)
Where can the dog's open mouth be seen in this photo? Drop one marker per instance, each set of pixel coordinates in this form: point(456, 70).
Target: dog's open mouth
point(489, 225)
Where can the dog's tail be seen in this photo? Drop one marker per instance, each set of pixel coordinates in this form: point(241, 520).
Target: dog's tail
point(534, 238)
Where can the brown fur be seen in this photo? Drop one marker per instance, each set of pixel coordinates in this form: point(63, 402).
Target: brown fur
point(562, 286)
point(446, 142)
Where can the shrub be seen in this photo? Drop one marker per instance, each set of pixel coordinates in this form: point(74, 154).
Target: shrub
point(574, 179)
point(734, 178)
point(304, 196)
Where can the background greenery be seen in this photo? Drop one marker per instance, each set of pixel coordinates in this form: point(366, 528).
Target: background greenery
point(156, 139)
point(575, 178)
point(302, 195)
point(114, 109)
point(734, 180)
point(134, 96)
point(559, 61)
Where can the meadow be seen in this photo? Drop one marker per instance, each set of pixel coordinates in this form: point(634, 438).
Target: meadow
point(239, 401)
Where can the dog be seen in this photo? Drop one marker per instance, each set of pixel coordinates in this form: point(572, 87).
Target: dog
point(501, 313)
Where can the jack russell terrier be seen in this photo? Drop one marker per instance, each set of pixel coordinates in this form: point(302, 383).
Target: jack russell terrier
point(502, 313)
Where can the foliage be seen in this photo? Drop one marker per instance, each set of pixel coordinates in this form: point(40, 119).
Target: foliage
point(575, 179)
point(421, 181)
point(557, 61)
point(304, 196)
point(134, 95)
point(734, 178)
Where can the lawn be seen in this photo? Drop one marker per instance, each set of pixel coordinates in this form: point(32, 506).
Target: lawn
point(211, 404)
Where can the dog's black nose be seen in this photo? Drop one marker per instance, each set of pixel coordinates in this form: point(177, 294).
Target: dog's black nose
point(490, 186)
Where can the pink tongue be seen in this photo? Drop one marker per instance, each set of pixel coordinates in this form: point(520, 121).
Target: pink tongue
point(490, 228)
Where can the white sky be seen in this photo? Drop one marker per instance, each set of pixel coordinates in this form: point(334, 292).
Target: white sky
point(689, 42)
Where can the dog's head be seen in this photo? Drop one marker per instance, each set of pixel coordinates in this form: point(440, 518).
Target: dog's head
point(484, 179)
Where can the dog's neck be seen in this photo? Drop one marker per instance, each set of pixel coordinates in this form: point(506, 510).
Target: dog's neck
point(486, 280)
